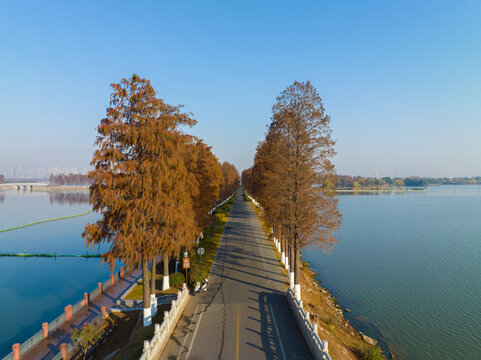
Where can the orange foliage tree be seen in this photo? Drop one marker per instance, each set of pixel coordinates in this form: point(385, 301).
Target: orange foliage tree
point(140, 184)
point(231, 179)
point(293, 177)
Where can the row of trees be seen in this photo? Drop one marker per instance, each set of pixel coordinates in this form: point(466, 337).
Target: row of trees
point(70, 179)
point(354, 182)
point(293, 178)
point(152, 183)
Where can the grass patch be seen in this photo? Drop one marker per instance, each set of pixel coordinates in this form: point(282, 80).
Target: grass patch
point(212, 235)
point(369, 352)
point(137, 292)
point(259, 213)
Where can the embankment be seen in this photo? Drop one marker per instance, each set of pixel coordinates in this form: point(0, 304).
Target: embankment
point(344, 341)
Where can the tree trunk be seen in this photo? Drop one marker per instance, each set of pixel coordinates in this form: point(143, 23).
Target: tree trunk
point(297, 272)
point(165, 278)
point(287, 257)
point(153, 298)
point(292, 266)
point(147, 307)
point(283, 250)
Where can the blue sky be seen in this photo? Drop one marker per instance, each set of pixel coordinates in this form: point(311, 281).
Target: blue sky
point(400, 79)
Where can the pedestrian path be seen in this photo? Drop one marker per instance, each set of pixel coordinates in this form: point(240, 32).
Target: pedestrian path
point(50, 347)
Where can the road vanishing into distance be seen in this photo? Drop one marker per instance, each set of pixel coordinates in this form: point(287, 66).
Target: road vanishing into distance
point(244, 313)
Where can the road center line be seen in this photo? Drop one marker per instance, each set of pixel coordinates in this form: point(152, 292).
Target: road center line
point(274, 322)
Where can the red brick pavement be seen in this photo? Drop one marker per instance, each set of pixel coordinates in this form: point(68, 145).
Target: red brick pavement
point(50, 346)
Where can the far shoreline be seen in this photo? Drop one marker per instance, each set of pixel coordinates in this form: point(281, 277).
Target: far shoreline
point(380, 190)
point(45, 188)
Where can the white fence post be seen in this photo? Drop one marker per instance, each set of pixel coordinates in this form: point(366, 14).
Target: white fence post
point(162, 332)
point(317, 346)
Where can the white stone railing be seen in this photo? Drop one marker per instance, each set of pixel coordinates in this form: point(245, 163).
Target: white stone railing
point(253, 200)
point(222, 203)
point(162, 332)
point(317, 346)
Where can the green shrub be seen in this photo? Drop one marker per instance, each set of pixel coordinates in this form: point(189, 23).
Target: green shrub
point(369, 352)
point(197, 276)
point(176, 279)
point(86, 337)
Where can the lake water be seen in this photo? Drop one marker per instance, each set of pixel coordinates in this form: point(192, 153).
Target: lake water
point(36, 290)
point(409, 267)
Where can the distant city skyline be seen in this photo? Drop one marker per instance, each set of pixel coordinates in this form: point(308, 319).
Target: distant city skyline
point(24, 172)
point(400, 80)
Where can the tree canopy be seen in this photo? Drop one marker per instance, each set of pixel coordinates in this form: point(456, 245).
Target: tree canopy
point(292, 176)
point(152, 184)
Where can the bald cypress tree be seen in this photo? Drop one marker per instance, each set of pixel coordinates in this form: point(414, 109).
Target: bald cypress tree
point(231, 179)
point(293, 177)
point(207, 171)
point(303, 174)
point(137, 179)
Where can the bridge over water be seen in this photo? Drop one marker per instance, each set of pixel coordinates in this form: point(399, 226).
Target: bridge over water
point(23, 186)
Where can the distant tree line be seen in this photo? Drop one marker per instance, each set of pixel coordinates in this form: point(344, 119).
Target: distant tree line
point(346, 182)
point(70, 179)
point(2, 179)
point(454, 181)
point(293, 178)
point(152, 183)
point(69, 198)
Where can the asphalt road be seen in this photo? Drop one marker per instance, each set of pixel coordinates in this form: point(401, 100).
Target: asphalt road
point(244, 313)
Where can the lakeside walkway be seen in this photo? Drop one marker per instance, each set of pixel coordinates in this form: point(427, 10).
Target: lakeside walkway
point(50, 346)
point(244, 312)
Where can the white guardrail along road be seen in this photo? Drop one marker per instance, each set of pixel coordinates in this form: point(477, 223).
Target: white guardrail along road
point(318, 347)
point(162, 332)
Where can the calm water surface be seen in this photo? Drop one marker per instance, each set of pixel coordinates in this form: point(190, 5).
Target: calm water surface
point(36, 290)
point(409, 267)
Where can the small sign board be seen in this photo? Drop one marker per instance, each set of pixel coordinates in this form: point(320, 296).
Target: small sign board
point(201, 251)
point(186, 263)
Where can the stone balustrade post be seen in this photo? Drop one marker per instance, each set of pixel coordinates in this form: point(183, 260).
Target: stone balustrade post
point(68, 312)
point(16, 351)
point(63, 350)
